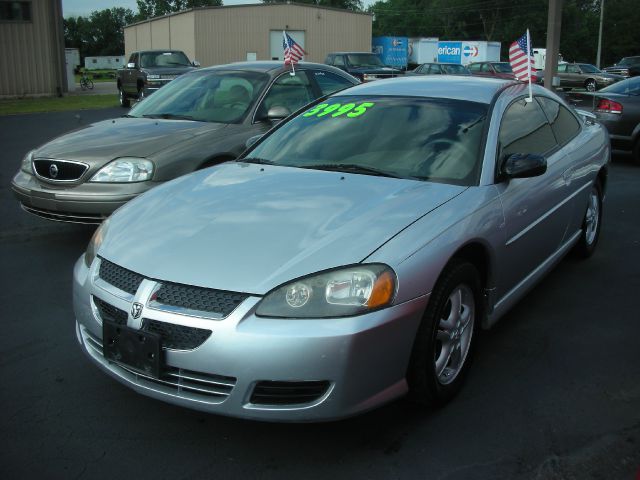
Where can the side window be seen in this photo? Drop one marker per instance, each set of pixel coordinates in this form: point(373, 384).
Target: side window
point(338, 61)
point(132, 58)
point(291, 92)
point(524, 129)
point(329, 60)
point(564, 124)
point(486, 68)
point(573, 69)
point(330, 82)
point(434, 70)
point(474, 67)
point(562, 68)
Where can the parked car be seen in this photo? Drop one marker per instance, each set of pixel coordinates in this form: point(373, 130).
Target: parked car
point(200, 119)
point(349, 256)
point(362, 65)
point(492, 69)
point(440, 69)
point(617, 107)
point(627, 67)
point(148, 70)
point(583, 75)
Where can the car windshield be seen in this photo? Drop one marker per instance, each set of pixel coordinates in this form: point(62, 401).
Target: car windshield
point(364, 60)
point(404, 137)
point(628, 61)
point(503, 67)
point(163, 59)
point(455, 69)
point(588, 68)
point(631, 86)
point(205, 96)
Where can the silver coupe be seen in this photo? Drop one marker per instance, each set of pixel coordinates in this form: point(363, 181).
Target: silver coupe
point(349, 256)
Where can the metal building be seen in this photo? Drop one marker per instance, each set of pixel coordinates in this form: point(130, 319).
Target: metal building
point(217, 35)
point(33, 56)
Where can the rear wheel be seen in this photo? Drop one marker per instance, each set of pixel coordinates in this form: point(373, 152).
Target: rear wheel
point(122, 97)
point(591, 223)
point(443, 346)
point(590, 85)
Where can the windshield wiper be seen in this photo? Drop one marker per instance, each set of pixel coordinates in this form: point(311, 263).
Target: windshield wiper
point(350, 168)
point(126, 115)
point(259, 161)
point(171, 116)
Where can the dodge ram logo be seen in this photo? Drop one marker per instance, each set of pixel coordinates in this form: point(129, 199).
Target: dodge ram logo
point(53, 170)
point(136, 310)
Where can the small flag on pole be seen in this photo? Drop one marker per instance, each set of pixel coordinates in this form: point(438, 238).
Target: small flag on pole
point(293, 52)
point(521, 60)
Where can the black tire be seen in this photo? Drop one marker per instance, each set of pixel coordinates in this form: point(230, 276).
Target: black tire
point(590, 232)
point(89, 84)
point(426, 385)
point(591, 85)
point(124, 100)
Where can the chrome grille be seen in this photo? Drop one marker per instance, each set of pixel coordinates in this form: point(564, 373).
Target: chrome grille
point(119, 277)
point(177, 337)
point(173, 380)
point(59, 170)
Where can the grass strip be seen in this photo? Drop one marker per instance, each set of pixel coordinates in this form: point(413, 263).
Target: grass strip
point(57, 104)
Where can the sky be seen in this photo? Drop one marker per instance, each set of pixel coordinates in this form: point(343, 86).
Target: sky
point(74, 8)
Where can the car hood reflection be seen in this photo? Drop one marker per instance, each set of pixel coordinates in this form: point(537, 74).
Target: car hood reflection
point(248, 228)
point(123, 137)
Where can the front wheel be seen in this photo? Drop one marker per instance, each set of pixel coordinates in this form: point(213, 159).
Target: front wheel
point(590, 85)
point(443, 346)
point(591, 223)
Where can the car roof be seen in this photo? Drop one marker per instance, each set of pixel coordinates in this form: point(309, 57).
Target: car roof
point(268, 66)
point(475, 89)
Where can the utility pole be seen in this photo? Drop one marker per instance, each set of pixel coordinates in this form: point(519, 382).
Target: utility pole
point(600, 34)
point(554, 22)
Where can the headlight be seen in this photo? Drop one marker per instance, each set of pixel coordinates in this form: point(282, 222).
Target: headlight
point(27, 165)
point(153, 77)
point(337, 293)
point(96, 241)
point(125, 170)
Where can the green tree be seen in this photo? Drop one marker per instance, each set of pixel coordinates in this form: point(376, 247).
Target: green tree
point(354, 5)
point(156, 8)
point(102, 33)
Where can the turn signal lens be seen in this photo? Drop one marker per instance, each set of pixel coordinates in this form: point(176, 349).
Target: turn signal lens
point(383, 290)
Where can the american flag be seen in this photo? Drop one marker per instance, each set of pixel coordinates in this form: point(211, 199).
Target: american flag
point(293, 52)
point(521, 63)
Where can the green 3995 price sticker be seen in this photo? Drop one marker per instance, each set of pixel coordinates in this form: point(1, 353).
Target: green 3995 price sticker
point(350, 110)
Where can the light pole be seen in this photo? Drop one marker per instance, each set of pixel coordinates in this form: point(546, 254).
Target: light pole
point(600, 34)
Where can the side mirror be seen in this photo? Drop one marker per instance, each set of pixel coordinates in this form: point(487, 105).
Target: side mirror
point(523, 165)
point(277, 113)
point(195, 63)
point(131, 65)
point(251, 140)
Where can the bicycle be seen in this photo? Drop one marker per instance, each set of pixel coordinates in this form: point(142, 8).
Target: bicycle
point(85, 82)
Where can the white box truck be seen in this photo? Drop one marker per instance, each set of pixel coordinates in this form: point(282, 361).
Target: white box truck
point(423, 50)
point(466, 52)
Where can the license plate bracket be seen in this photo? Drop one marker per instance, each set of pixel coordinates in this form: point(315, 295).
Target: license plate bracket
point(136, 349)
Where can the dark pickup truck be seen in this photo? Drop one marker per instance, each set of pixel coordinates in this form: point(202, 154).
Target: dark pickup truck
point(147, 71)
point(362, 65)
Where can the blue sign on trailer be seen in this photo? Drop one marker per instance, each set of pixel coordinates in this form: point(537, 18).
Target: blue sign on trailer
point(449, 52)
point(393, 51)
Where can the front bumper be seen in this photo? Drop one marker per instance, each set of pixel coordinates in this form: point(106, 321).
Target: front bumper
point(363, 359)
point(87, 203)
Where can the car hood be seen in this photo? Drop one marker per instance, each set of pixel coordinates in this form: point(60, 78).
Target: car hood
point(608, 75)
point(249, 228)
point(122, 137)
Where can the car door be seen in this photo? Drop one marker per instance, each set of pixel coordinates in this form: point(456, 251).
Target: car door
point(536, 213)
point(574, 76)
point(132, 74)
